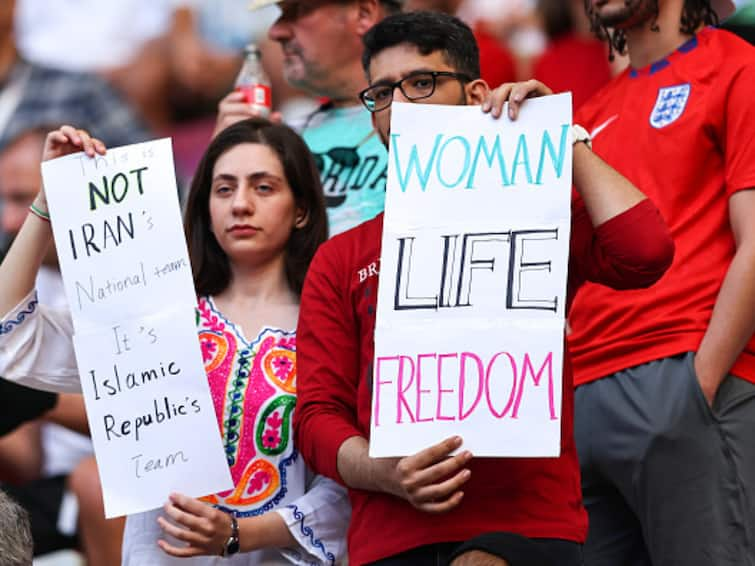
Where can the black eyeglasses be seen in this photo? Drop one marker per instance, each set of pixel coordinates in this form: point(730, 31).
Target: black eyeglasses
point(416, 86)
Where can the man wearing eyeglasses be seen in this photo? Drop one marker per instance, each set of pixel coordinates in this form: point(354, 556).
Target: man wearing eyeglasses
point(420, 510)
point(322, 47)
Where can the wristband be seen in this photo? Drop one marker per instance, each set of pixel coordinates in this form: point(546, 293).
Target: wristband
point(580, 135)
point(38, 212)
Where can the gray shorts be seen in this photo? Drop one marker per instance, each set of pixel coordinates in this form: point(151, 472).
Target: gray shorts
point(667, 480)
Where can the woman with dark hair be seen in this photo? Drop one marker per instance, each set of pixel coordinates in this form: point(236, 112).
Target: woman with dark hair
point(255, 217)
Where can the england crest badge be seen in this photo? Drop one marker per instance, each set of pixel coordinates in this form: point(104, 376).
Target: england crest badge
point(669, 105)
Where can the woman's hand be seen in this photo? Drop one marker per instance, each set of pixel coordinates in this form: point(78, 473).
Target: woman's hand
point(204, 528)
point(514, 94)
point(63, 141)
point(67, 139)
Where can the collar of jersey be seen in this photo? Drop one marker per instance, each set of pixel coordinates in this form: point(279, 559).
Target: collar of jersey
point(653, 68)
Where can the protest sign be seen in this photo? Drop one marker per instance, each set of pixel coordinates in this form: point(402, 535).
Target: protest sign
point(123, 257)
point(470, 314)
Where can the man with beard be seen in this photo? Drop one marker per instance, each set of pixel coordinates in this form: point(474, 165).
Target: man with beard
point(418, 510)
point(322, 48)
point(665, 400)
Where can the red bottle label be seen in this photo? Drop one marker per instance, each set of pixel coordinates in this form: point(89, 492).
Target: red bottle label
point(258, 95)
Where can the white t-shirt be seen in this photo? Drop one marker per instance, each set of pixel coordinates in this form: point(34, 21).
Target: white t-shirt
point(88, 35)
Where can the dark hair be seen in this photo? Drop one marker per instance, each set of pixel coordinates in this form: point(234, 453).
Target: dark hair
point(392, 6)
point(694, 14)
point(557, 17)
point(210, 264)
point(428, 32)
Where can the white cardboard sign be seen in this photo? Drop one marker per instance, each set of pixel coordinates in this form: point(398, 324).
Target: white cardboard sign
point(470, 315)
point(125, 266)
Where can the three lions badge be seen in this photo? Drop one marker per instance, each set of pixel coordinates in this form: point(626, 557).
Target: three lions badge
point(670, 104)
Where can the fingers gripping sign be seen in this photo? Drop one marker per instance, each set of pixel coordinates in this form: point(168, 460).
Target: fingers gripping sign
point(64, 141)
point(515, 94)
point(203, 528)
point(431, 480)
point(68, 139)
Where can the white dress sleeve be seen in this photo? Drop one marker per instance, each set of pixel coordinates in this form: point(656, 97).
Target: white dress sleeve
point(36, 348)
point(318, 520)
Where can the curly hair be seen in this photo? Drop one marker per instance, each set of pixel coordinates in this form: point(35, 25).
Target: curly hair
point(694, 14)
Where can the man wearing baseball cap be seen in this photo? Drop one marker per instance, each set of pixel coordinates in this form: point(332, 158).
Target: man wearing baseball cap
point(322, 50)
point(665, 398)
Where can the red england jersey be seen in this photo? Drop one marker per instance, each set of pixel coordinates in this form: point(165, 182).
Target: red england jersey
point(683, 131)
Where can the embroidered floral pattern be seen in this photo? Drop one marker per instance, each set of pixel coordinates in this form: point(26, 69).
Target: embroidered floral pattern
point(275, 421)
point(282, 366)
point(251, 385)
point(208, 349)
point(271, 438)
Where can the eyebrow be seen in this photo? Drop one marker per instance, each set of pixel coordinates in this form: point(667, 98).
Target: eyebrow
point(252, 177)
point(387, 81)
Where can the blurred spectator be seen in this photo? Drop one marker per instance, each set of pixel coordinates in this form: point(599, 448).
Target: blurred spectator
point(33, 95)
point(120, 40)
point(15, 537)
point(206, 42)
point(497, 64)
point(573, 60)
point(513, 22)
point(173, 61)
point(322, 48)
point(97, 35)
point(205, 48)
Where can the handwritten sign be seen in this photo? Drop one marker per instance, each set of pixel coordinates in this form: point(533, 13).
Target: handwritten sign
point(470, 313)
point(123, 257)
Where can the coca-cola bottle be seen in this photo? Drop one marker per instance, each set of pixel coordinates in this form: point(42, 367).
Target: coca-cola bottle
point(253, 82)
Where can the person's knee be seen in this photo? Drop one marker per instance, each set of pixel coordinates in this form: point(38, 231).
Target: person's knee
point(478, 558)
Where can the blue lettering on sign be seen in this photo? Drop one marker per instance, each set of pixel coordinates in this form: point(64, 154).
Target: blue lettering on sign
point(472, 153)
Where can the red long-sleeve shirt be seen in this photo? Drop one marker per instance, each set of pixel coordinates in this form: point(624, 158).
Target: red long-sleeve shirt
point(536, 497)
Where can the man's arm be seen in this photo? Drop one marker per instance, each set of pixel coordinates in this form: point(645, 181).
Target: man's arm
point(327, 357)
point(325, 421)
point(732, 323)
point(430, 480)
point(605, 192)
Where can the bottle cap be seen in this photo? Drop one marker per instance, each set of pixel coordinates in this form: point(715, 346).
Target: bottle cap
point(251, 48)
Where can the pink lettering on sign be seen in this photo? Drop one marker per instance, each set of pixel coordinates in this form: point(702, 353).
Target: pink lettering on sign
point(513, 384)
point(401, 398)
point(461, 381)
point(441, 390)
